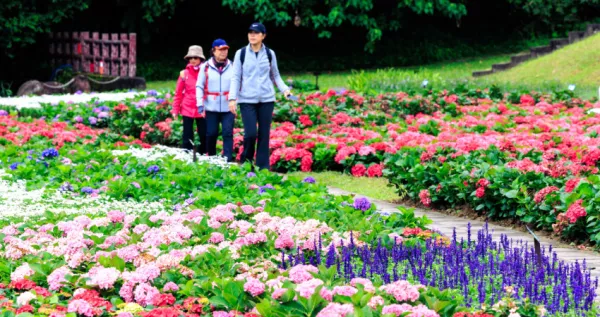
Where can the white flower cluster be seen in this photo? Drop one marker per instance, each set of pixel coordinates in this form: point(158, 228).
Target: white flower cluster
point(159, 152)
point(17, 201)
point(36, 101)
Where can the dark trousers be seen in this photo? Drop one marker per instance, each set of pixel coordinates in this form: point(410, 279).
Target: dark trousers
point(188, 134)
point(253, 114)
point(225, 119)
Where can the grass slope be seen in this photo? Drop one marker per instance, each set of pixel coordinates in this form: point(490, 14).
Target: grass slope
point(578, 64)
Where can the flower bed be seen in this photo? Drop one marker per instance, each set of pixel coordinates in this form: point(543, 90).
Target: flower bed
point(532, 158)
point(224, 241)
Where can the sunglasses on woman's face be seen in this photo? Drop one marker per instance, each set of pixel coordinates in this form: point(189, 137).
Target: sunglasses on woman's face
point(194, 57)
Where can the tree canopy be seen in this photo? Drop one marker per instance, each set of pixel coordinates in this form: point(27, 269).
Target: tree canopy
point(373, 16)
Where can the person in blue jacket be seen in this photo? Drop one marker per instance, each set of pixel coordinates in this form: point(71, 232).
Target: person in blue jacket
point(254, 72)
point(212, 90)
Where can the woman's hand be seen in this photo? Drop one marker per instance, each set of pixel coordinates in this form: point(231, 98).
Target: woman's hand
point(233, 107)
point(287, 93)
point(175, 116)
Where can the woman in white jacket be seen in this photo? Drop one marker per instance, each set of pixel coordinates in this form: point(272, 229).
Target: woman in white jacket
point(212, 91)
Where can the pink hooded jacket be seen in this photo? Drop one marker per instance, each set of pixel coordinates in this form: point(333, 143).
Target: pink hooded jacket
point(184, 102)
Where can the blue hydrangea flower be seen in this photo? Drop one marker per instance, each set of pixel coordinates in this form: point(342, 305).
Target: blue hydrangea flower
point(49, 153)
point(14, 166)
point(362, 203)
point(66, 187)
point(219, 184)
point(153, 169)
point(87, 190)
point(93, 120)
point(152, 93)
point(309, 180)
point(250, 175)
point(263, 189)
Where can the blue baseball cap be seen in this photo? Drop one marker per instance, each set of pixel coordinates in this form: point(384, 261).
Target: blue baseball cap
point(220, 43)
point(258, 27)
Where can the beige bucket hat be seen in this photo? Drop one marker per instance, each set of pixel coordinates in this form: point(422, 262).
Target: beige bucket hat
point(195, 51)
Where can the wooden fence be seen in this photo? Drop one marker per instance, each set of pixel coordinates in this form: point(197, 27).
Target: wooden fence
point(105, 54)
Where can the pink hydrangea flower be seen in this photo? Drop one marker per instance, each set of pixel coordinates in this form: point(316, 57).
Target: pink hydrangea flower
point(170, 287)
point(102, 277)
point(396, 309)
point(278, 293)
point(254, 287)
point(365, 282)
point(116, 216)
point(216, 238)
point(255, 238)
point(402, 291)
point(126, 291)
point(57, 277)
point(307, 289)
point(423, 311)
point(21, 272)
point(326, 294)
point(81, 307)
point(145, 293)
point(301, 273)
point(284, 241)
point(376, 301)
point(344, 290)
point(336, 310)
point(247, 209)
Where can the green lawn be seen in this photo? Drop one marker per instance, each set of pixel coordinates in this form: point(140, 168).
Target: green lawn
point(376, 188)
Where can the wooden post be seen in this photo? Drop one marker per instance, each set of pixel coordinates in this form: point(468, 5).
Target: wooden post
point(67, 41)
point(52, 50)
point(59, 48)
point(105, 53)
point(114, 55)
point(132, 54)
point(123, 57)
point(85, 51)
point(76, 47)
point(96, 52)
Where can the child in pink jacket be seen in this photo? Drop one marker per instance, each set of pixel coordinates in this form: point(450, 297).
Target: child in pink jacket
point(184, 102)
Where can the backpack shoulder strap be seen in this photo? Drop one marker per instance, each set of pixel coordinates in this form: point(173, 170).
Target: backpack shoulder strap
point(242, 55)
point(269, 54)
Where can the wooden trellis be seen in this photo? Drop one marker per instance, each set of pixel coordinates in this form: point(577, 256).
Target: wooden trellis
point(105, 54)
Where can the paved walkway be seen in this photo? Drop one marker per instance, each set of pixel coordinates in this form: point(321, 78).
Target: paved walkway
point(446, 224)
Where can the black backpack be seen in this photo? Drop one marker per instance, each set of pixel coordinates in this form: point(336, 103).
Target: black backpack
point(243, 55)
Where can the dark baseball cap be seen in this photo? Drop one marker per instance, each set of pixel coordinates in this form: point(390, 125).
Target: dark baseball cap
point(258, 27)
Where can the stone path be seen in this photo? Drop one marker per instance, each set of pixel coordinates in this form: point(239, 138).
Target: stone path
point(446, 224)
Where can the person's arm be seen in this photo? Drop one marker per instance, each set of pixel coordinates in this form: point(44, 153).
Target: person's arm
point(200, 86)
point(276, 77)
point(178, 94)
point(236, 79)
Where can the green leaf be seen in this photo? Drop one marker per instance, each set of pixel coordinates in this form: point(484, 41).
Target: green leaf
point(511, 193)
point(219, 302)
